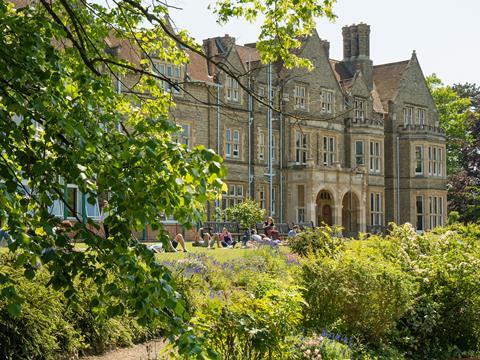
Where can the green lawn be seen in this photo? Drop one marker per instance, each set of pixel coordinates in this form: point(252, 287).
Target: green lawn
point(223, 254)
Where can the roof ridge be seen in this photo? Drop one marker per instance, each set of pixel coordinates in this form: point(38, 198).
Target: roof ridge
point(392, 63)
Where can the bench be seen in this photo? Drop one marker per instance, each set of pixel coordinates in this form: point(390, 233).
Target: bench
point(282, 228)
point(217, 227)
point(305, 224)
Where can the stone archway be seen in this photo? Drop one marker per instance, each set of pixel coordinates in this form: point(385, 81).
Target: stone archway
point(324, 207)
point(350, 214)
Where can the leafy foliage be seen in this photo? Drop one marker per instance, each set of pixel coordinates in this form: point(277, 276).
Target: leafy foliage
point(406, 293)
point(323, 240)
point(252, 328)
point(247, 213)
point(459, 113)
point(453, 113)
point(50, 328)
point(62, 122)
point(286, 21)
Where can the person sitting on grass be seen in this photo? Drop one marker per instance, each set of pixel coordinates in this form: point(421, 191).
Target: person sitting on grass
point(206, 238)
point(269, 229)
point(255, 236)
point(226, 239)
point(246, 237)
point(294, 231)
point(203, 238)
point(178, 239)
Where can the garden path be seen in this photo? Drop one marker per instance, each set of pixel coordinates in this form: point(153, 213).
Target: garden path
point(144, 351)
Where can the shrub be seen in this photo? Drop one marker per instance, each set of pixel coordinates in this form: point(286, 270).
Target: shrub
point(41, 330)
point(47, 328)
point(444, 322)
point(322, 348)
point(357, 293)
point(247, 327)
point(247, 213)
point(322, 240)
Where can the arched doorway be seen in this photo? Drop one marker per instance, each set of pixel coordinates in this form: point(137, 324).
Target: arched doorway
point(350, 215)
point(324, 208)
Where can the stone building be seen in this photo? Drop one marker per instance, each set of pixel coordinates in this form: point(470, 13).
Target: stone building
point(348, 143)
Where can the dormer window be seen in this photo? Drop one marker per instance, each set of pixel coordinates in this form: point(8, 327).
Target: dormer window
point(170, 71)
point(420, 116)
point(359, 108)
point(231, 86)
point(327, 101)
point(408, 115)
point(300, 96)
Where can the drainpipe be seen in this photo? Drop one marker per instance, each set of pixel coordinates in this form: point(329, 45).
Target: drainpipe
point(280, 118)
point(250, 120)
point(217, 202)
point(269, 118)
point(398, 179)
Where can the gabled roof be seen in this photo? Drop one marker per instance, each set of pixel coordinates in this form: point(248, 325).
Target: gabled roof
point(247, 54)
point(342, 74)
point(124, 48)
point(197, 69)
point(387, 79)
point(377, 101)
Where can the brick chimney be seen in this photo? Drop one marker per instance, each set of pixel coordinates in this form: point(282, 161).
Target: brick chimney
point(217, 46)
point(356, 50)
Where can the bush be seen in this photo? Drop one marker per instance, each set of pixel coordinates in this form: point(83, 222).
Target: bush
point(247, 213)
point(356, 293)
point(403, 295)
point(322, 240)
point(47, 328)
point(323, 348)
point(41, 330)
point(247, 327)
point(444, 322)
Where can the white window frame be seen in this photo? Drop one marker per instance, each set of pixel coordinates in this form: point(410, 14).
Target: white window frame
point(232, 88)
point(262, 198)
point(228, 143)
point(418, 160)
point(408, 115)
point(327, 101)
point(376, 209)
point(185, 135)
point(375, 157)
point(329, 150)
point(261, 146)
point(300, 95)
point(359, 107)
point(359, 157)
point(420, 116)
point(235, 195)
point(421, 214)
point(301, 148)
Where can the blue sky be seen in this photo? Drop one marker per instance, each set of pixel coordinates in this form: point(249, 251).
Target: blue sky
point(444, 33)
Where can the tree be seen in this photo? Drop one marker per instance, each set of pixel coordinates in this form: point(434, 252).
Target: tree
point(467, 183)
point(247, 213)
point(62, 122)
point(453, 113)
point(459, 114)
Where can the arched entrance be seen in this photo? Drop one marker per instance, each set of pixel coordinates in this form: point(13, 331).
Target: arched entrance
point(324, 208)
point(350, 214)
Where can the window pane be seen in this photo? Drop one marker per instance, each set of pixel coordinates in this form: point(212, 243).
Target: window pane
point(72, 201)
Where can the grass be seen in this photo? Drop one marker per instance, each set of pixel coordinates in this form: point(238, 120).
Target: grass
point(223, 254)
point(218, 254)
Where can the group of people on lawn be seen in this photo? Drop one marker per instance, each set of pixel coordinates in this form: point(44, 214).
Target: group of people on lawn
point(270, 236)
point(205, 237)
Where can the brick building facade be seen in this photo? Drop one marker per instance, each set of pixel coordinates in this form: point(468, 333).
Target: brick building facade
point(351, 143)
